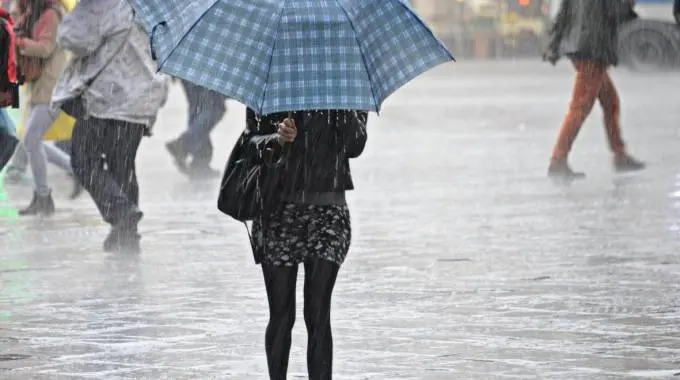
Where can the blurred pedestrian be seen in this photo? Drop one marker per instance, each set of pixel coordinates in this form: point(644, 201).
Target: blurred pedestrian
point(41, 61)
point(113, 90)
point(308, 225)
point(586, 32)
point(19, 164)
point(206, 109)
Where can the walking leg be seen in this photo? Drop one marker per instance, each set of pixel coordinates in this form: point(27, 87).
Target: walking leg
point(280, 285)
point(589, 76)
point(320, 276)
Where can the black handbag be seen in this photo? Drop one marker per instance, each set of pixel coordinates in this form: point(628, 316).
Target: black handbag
point(249, 190)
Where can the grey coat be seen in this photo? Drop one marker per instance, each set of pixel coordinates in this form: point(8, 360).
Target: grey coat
point(111, 65)
point(588, 30)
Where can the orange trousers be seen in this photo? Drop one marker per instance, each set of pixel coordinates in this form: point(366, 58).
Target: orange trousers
point(592, 83)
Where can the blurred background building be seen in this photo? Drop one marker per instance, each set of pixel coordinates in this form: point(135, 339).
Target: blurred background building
point(489, 28)
point(485, 29)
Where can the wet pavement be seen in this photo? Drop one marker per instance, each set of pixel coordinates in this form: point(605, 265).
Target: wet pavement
point(467, 263)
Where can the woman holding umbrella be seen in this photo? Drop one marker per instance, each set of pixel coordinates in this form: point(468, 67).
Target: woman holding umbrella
point(309, 71)
point(309, 225)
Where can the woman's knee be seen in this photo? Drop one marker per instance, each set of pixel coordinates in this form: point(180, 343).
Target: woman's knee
point(39, 122)
point(283, 317)
point(33, 138)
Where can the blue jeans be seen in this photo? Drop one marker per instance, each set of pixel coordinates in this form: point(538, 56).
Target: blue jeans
point(206, 109)
point(8, 139)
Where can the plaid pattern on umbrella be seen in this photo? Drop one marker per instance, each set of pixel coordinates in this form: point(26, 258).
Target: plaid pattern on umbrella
point(289, 55)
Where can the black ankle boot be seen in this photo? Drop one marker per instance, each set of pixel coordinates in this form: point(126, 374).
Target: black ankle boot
point(40, 205)
point(124, 236)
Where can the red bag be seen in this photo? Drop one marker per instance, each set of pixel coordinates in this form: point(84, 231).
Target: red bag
point(9, 81)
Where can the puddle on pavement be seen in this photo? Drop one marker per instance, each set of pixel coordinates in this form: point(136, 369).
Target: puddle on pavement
point(11, 357)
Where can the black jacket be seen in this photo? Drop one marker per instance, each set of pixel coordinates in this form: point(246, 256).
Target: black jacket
point(317, 161)
point(588, 30)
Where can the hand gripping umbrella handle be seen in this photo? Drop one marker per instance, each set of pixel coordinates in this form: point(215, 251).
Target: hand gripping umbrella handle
point(286, 146)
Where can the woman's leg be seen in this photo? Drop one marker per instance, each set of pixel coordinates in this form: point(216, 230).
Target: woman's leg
point(320, 276)
point(57, 157)
point(40, 120)
point(279, 282)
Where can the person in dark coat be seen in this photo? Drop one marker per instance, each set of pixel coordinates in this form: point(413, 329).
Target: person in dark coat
point(309, 225)
point(586, 31)
point(676, 11)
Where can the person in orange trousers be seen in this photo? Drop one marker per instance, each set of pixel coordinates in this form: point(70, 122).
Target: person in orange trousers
point(586, 32)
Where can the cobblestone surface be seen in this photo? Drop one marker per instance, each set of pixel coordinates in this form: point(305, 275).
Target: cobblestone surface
point(467, 263)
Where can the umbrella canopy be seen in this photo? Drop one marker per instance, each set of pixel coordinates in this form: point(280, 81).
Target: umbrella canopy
point(292, 55)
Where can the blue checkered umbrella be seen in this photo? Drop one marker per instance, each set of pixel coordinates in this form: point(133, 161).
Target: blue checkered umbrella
point(290, 55)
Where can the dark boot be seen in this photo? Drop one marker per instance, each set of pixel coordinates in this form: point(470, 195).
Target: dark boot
point(40, 205)
point(625, 163)
point(124, 236)
point(178, 153)
point(559, 169)
point(77, 188)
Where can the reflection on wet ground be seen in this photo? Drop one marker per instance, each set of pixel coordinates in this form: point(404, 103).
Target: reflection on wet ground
point(467, 263)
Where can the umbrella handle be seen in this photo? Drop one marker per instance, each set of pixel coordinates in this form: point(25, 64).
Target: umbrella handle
point(286, 146)
point(151, 38)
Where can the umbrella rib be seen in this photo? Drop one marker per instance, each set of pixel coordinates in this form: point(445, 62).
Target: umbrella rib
point(271, 59)
point(363, 56)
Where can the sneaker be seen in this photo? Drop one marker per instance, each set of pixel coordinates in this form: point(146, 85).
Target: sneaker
point(40, 205)
point(559, 169)
point(626, 163)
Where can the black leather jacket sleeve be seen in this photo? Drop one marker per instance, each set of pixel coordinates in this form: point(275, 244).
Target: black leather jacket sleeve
point(260, 140)
point(355, 134)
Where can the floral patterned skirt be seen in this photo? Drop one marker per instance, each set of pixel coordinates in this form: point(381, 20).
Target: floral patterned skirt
point(296, 232)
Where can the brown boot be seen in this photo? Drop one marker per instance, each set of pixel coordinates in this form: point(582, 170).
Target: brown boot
point(40, 205)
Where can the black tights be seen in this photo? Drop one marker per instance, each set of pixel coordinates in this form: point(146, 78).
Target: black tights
point(280, 283)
